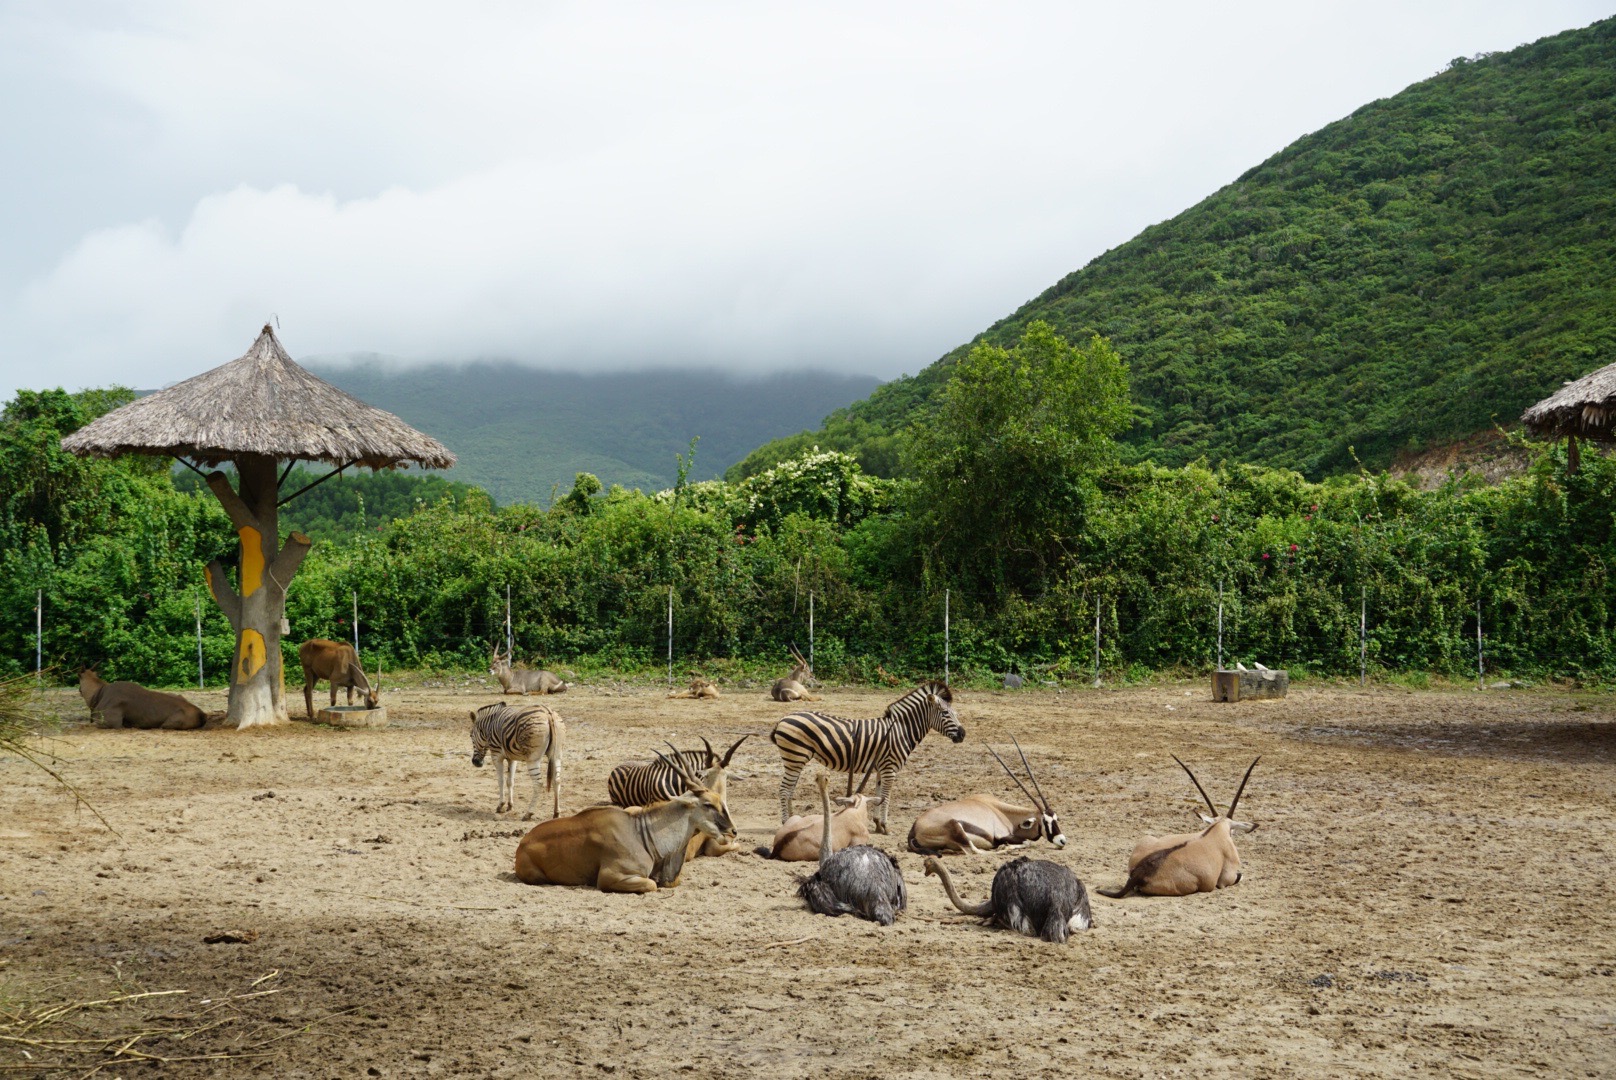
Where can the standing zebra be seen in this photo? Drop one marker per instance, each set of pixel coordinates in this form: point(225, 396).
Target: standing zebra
point(641, 783)
point(850, 746)
point(515, 733)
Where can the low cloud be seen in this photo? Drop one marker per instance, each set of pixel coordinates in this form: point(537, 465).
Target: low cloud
point(742, 187)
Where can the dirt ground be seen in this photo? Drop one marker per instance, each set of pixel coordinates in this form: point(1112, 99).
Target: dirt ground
point(1430, 889)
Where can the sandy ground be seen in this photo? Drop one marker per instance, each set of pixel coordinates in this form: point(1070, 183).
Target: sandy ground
point(1430, 890)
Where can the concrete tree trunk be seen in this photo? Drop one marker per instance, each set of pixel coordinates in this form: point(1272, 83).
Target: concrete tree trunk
point(256, 604)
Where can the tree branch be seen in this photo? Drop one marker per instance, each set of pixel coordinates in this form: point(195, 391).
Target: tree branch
point(290, 558)
point(240, 516)
point(223, 593)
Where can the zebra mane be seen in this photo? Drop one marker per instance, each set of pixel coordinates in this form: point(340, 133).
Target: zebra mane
point(931, 686)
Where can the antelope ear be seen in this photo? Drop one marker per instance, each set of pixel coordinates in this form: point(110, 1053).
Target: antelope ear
point(1204, 819)
point(1243, 826)
point(877, 800)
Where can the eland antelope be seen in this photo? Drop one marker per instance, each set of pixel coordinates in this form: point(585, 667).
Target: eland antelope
point(127, 704)
point(617, 850)
point(337, 663)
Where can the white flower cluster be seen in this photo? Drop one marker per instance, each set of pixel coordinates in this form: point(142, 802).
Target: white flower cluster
point(817, 479)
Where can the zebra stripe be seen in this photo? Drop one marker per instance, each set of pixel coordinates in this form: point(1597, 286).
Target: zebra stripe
point(641, 783)
point(881, 745)
point(513, 733)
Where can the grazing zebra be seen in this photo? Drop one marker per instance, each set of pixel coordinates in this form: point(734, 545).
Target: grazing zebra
point(850, 746)
point(515, 733)
point(641, 783)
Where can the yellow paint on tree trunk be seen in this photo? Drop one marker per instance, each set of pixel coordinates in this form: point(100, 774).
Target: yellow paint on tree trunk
point(213, 590)
point(252, 562)
point(252, 655)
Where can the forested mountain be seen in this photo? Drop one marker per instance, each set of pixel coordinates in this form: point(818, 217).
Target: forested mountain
point(1418, 271)
point(520, 432)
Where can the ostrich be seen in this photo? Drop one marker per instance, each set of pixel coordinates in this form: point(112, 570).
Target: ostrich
point(1030, 896)
point(859, 880)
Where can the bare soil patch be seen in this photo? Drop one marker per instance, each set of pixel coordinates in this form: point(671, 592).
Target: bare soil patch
point(1430, 889)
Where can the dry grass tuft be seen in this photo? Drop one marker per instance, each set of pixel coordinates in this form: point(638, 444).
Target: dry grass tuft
point(87, 1037)
point(20, 721)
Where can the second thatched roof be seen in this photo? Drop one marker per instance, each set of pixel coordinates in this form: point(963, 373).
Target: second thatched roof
point(261, 403)
point(1585, 408)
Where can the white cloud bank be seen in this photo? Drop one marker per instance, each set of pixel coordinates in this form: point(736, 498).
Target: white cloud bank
point(750, 186)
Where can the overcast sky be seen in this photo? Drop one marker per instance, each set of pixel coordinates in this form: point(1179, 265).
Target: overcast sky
point(751, 186)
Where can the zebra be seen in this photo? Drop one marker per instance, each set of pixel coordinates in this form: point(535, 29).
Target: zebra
point(850, 746)
point(520, 732)
point(641, 783)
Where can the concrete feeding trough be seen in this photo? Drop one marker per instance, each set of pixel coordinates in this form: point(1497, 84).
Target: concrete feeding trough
point(1246, 685)
point(354, 716)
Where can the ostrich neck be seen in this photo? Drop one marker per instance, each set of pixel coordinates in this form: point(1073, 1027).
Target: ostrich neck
point(981, 910)
point(824, 808)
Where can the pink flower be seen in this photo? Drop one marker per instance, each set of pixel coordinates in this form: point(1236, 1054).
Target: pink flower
point(1293, 547)
point(1265, 554)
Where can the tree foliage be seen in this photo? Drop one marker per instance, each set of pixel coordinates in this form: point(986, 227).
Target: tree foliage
point(1003, 470)
point(117, 552)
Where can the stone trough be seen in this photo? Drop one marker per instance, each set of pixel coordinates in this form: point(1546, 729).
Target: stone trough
point(1246, 685)
point(353, 716)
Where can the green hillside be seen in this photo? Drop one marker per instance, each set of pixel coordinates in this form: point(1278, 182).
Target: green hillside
point(1418, 271)
point(519, 432)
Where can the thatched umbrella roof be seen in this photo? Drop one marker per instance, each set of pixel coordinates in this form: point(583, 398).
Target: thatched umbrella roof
point(1585, 409)
point(262, 403)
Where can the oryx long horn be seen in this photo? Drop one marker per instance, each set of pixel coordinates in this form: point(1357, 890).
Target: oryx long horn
point(1013, 776)
point(711, 757)
point(731, 751)
point(1198, 786)
point(679, 763)
point(867, 774)
point(1242, 790)
point(1043, 802)
point(695, 785)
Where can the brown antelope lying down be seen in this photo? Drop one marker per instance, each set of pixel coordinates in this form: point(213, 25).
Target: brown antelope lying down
point(799, 839)
point(1187, 863)
point(984, 822)
point(338, 663)
point(126, 704)
point(617, 850)
point(642, 783)
point(794, 687)
point(521, 680)
point(715, 779)
point(700, 690)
